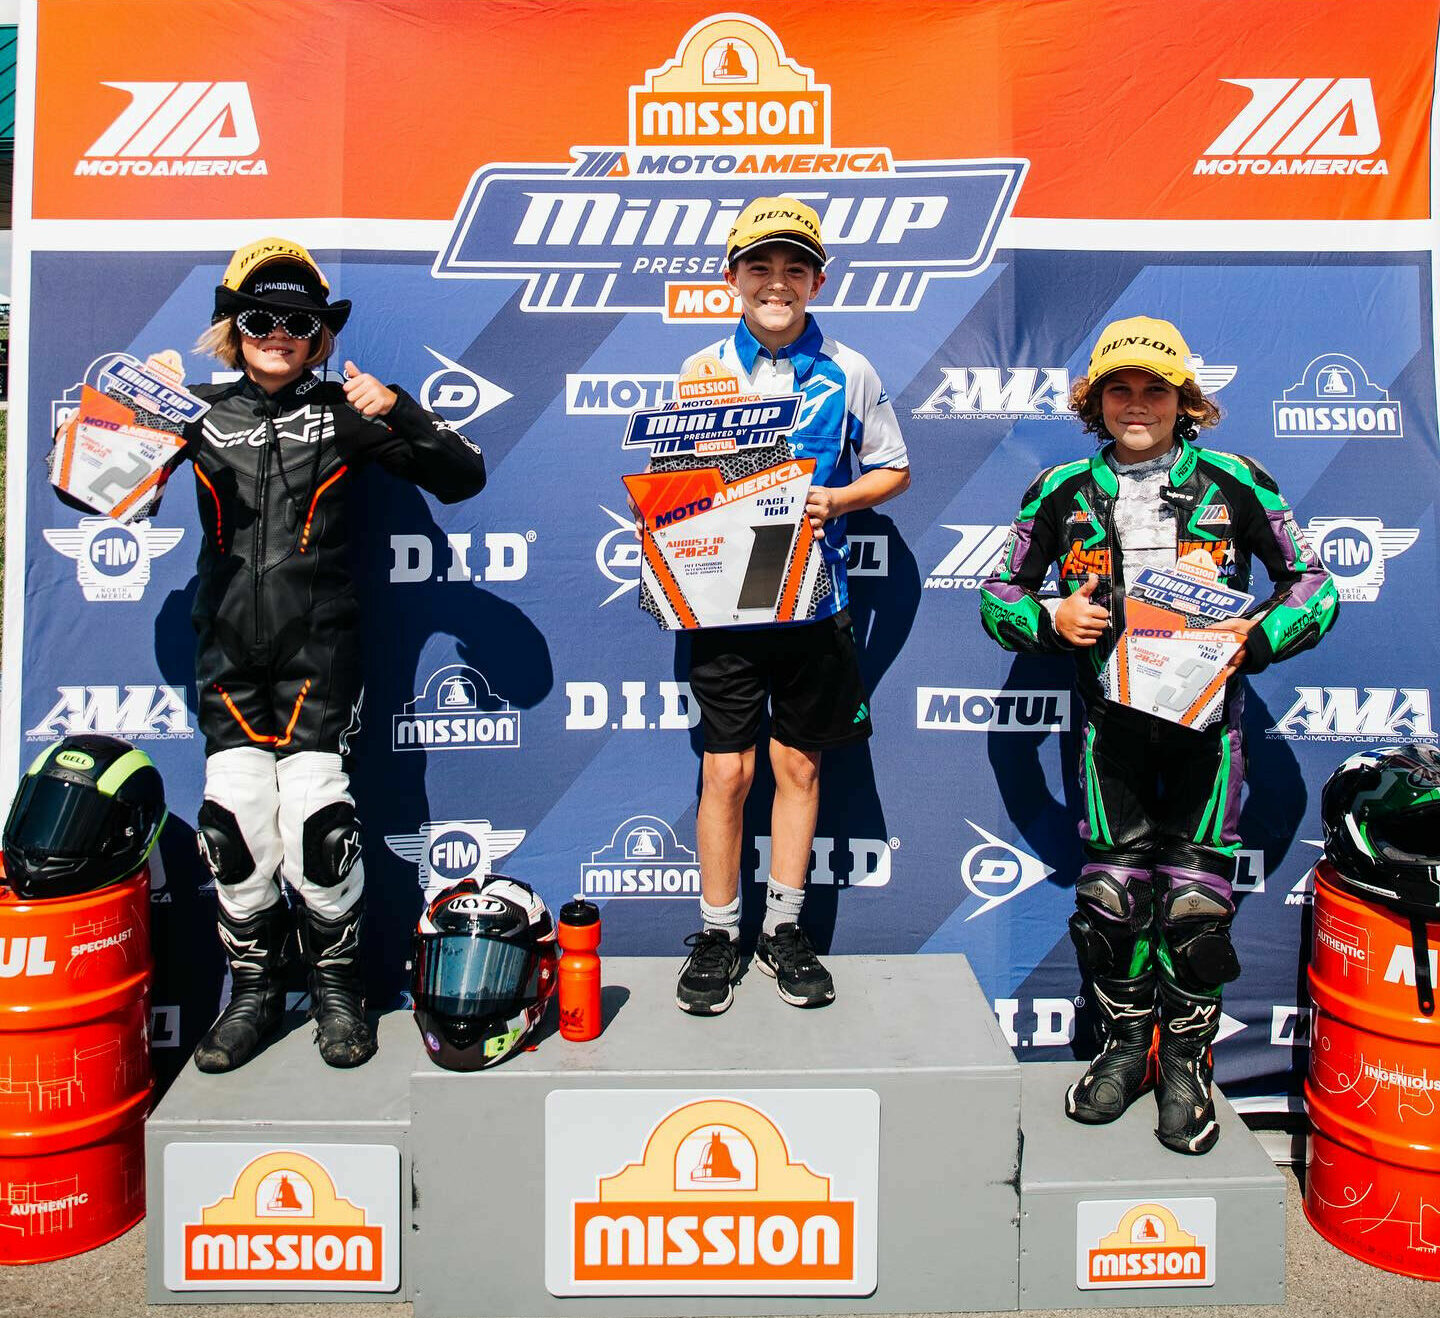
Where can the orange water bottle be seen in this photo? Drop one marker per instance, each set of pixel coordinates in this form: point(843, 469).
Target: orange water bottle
point(579, 933)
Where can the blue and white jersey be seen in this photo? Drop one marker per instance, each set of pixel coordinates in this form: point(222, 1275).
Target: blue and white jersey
point(846, 410)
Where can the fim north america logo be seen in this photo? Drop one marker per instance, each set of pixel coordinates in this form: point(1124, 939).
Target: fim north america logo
point(112, 559)
point(1335, 399)
point(643, 858)
point(1355, 550)
point(457, 710)
point(449, 850)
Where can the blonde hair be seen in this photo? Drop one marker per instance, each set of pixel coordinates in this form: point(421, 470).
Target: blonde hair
point(222, 341)
point(1196, 411)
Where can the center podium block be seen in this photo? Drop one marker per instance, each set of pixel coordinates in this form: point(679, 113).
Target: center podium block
point(861, 1158)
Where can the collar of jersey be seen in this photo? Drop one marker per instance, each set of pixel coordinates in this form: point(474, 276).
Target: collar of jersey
point(282, 397)
point(1179, 473)
point(804, 352)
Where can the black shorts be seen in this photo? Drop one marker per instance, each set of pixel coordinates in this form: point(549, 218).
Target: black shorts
point(810, 672)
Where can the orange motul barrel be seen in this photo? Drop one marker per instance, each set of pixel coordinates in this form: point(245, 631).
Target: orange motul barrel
point(74, 1068)
point(1373, 1092)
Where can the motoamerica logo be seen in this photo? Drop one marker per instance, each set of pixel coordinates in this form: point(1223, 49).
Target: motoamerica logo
point(641, 227)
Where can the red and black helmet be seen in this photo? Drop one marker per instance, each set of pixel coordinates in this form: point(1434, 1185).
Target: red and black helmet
point(483, 968)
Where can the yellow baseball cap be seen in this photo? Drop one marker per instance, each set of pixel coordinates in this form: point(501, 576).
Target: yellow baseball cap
point(1152, 345)
point(776, 220)
point(255, 256)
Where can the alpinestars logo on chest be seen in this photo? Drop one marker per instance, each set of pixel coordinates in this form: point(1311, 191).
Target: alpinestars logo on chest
point(305, 425)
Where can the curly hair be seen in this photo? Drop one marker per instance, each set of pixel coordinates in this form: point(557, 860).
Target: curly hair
point(222, 341)
point(1196, 411)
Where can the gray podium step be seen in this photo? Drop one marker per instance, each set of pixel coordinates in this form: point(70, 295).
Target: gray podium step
point(862, 1158)
point(1081, 1187)
point(208, 1128)
point(910, 1036)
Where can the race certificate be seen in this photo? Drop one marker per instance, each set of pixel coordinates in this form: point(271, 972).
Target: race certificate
point(115, 451)
point(724, 537)
point(1167, 662)
point(718, 553)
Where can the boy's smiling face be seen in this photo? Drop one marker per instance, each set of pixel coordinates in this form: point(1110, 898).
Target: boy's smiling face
point(776, 283)
point(1140, 411)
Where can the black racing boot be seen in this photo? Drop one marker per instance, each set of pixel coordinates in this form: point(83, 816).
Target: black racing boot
point(1188, 1025)
point(256, 951)
point(1125, 1066)
point(332, 949)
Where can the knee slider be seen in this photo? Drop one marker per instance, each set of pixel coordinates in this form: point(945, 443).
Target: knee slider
point(222, 845)
point(331, 844)
point(1196, 922)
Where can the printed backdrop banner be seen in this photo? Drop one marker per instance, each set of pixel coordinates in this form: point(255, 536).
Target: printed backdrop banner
point(527, 205)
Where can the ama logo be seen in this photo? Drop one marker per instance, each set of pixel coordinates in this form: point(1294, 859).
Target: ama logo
point(449, 850)
point(170, 128)
point(730, 115)
point(112, 559)
point(1337, 713)
point(643, 858)
point(1355, 550)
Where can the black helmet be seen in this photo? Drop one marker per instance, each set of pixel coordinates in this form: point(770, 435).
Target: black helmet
point(483, 969)
point(1381, 811)
point(87, 813)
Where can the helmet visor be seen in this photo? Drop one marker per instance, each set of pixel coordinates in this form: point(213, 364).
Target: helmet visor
point(58, 818)
point(468, 975)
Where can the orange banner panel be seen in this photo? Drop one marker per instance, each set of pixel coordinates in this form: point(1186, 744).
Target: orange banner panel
point(1133, 109)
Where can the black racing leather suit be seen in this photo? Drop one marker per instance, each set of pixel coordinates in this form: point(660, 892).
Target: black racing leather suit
point(276, 617)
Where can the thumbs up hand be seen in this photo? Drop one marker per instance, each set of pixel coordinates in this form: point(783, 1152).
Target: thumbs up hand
point(1079, 620)
point(365, 393)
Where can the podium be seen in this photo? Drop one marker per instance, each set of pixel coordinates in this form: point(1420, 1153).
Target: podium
point(867, 1157)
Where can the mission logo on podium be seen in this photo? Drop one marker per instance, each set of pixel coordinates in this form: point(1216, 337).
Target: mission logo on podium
point(765, 1193)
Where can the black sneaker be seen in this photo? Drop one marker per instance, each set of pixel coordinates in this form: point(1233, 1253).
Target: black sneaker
point(787, 957)
point(709, 972)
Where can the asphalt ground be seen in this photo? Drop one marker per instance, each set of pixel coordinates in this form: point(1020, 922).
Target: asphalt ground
point(1320, 1281)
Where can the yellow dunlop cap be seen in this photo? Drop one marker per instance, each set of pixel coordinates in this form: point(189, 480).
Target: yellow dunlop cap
point(265, 251)
point(1152, 345)
point(776, 220)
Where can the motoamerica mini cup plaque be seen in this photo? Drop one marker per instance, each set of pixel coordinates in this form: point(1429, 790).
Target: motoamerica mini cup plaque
point(724, 536)
point(1167, 662)
point(113, 453)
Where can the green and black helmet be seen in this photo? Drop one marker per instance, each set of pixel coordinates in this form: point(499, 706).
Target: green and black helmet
point(1381, 811)
point(87, 814)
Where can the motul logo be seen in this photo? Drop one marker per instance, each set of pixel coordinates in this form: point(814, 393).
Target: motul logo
point(1299, 126)
point(190, 128)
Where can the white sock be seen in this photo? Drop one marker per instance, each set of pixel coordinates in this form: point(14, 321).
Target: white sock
point(782, 905)
point(724, 918)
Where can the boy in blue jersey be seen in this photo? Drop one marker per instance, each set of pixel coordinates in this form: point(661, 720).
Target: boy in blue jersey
point(775, 262)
